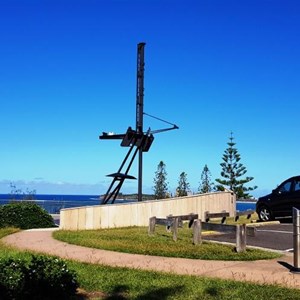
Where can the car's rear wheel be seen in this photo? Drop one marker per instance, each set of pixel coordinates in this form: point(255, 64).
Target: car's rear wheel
point(264, 213)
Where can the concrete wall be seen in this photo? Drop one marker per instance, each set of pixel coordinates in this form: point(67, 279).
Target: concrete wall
point(138, 213)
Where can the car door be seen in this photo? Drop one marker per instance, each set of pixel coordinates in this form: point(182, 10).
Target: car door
point(281, 203)
point(295, 194)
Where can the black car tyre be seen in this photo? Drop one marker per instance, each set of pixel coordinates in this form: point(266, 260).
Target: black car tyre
point(264, 213)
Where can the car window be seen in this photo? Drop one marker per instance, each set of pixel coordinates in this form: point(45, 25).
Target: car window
point(297, 185)
point(285, 187)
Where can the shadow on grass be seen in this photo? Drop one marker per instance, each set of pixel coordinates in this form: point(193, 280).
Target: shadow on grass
point(120, 292)
point(161, 293)
point(212, 291)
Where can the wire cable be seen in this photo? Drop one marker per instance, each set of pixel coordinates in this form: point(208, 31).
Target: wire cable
point(160, 120)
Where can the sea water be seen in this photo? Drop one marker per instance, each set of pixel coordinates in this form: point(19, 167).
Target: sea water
point(54, 203)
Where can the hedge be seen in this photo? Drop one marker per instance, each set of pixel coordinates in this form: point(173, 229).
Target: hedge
point(40, 277)
point(24, 215)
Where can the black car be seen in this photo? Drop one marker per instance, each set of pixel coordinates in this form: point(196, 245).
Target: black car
point(281, 201)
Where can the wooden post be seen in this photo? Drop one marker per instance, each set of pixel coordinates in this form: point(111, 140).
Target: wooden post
point(152, 222)
point(197, 239)
point(175, 228)
point(241, 238)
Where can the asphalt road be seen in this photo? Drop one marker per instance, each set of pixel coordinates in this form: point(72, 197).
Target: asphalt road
point(272, 236)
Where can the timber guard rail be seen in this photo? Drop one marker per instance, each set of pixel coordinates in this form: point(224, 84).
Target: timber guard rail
point(174, 222)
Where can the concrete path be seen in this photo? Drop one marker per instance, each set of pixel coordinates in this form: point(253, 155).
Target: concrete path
point(264, 271)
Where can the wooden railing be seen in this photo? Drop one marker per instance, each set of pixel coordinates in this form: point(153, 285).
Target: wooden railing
point(174, 222)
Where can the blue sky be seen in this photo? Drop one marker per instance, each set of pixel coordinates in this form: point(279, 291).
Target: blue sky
point(68, 72)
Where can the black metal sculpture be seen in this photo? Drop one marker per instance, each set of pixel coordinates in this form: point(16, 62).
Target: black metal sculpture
point(137, 138)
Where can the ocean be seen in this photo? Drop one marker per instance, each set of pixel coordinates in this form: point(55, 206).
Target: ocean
point(54, 203)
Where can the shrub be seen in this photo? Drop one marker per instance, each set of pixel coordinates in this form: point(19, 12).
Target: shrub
point(12, 278)
point(24, 215)
point(39, 278)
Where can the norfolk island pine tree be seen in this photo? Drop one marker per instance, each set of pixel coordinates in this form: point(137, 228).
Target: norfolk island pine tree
point(232, 171)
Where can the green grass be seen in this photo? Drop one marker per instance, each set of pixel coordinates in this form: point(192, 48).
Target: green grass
point(136, 240)
point(128, 284)
point(138, 285)
point(6, 251)
point(7, 231)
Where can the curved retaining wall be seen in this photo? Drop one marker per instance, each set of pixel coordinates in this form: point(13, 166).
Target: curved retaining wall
point(138, 213)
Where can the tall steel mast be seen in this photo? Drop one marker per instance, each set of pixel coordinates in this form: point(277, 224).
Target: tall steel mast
point(140, 111)
point(137, 139)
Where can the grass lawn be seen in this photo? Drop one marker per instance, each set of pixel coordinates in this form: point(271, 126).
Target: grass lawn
point(136, 240)
point(124, 283)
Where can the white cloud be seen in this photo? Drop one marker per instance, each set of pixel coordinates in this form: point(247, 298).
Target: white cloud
point(46, 187)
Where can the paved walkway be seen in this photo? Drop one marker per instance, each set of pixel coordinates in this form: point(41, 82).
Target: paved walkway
point(264, 271)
